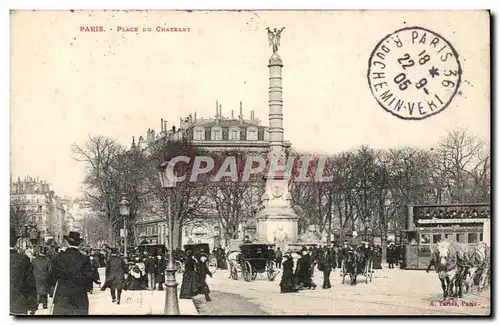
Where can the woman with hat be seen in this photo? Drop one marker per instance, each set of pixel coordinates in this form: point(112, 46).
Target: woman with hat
point(189, 285)
point(203, 271)
point(71, 273)
point(288, 281)
point(303, 271)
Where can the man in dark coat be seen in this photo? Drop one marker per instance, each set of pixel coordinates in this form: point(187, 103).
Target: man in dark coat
point(391, 250)
point(150, 271)
point(325, 262)
point(115, 276)
point(71, 273)
point(279, 258)
point(160, 266)
point(41, 272)
point(22, 283)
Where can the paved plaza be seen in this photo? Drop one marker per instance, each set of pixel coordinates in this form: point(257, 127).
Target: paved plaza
point(392, 292)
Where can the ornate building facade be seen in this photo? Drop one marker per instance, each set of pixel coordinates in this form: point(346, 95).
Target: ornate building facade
point(218, 133)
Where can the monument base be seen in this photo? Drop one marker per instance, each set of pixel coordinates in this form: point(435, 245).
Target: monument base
point(274, 220)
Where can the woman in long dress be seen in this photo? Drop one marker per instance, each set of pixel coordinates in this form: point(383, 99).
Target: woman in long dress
point(189, 286)
point(203, 271)
point(288, 281)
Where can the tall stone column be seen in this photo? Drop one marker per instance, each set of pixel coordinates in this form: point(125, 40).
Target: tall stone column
point(277, 222)
point(275, 105)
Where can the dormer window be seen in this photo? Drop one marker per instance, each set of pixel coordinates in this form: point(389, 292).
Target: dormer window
point(234, 133)
point(216, 133)
point(266, 134)
point(199, 134)
point(252, 134)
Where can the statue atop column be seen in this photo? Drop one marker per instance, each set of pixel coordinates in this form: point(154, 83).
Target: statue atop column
point(280, 237)
point(274, 38)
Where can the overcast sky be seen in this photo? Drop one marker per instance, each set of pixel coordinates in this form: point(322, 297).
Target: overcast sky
point(66, 83)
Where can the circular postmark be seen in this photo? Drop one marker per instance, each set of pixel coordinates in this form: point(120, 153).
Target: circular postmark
point(414, 73)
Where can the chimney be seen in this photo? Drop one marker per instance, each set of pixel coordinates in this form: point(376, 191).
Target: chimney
point(232, 114)
point(216, 109)
point(165, 126)
point(241, 111)
point(162, 124)
point(195, 116)
point(220, 111)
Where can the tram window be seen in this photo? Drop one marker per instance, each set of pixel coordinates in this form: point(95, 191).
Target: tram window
point(425, 239)
point(480, 236)
point(448, 237)
point(436, 238)
point(460, 238)
point(472, 238)
point(424, 251)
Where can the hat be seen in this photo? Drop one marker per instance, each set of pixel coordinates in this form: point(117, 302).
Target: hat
point(304, 249)
point(73, 238)
point(203, 254)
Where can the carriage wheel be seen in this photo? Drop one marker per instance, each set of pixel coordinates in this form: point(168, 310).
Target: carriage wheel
point(247, 272)
point(179, 266)
point(254, 275)
point(212, 264)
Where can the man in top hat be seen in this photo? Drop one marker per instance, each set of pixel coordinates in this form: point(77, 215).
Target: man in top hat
point(115, 276)
point(23, 296)
point(303, 271)
point(203, 271)
point(391, 251)
point(71, 274)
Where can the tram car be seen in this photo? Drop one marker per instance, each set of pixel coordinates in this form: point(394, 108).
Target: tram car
point(197, 249)
point(250, 261)
point(430, 224)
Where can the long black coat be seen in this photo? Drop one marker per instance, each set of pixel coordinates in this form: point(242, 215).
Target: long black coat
point(203, 271)
point(22, 284)
point(160, 266)
point(72, 272)
point(115, 273)
point(41, 272)
point(303, 270)
point(288, 282)
point(189, 286)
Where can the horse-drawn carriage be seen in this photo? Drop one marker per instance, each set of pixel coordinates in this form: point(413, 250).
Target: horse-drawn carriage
point(357, 261)
point(197, 249)
point(251, 260)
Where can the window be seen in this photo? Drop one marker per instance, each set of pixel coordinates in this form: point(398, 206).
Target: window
point(251, 134)
point(480, 236)
point(40, 219)
point(436, 238)
point(460, 238)
point(448, 237)
point(424, 251)
point(472, 238)
point(199, 134)
point(234, 133)
point(39, 209)
point(425, 239)
point(216, 133)
point(266, 134)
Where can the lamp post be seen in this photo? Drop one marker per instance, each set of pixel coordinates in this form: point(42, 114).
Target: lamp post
point(124, 212)
point(171, 300)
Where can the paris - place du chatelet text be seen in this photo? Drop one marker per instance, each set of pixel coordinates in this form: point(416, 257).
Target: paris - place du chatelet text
point(134, 29)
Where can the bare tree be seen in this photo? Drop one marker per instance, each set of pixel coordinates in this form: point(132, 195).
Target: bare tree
point(21, 215)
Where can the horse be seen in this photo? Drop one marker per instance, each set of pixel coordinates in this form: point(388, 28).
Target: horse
point(351, 264)
point(232, 263)
point(479, 267)
point(448, 259)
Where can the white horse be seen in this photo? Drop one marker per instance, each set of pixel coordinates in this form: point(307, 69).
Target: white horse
point(445, 258)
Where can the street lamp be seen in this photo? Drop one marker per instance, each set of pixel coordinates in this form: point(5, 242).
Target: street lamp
point(124, 212)
point(171, 300)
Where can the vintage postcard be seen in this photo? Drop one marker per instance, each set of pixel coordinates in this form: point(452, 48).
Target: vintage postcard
point(250, 163)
